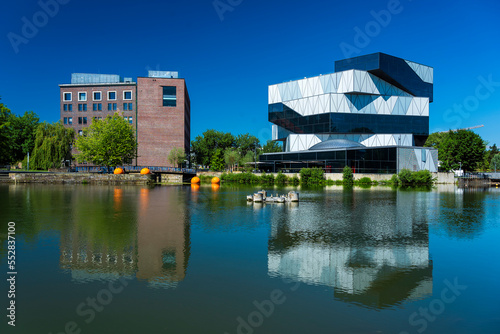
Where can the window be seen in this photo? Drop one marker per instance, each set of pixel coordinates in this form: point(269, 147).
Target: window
point(65, 107)
point(80, 120)
point(125, 106)
point(80, 107)
point(97, 96)
point(94, 107)
point(70, 120)
point(85, 120)
point(82, 96)
point(169, 96)
point(130, 119)
point(85, 107)
point(114, 106)
point(130, 106)
point(111, 95)
point(70, 107)
point(127, 95)
point(109, 106)
point(97, 107)
point(80, 132)
point(65, 120)
point(67, 96)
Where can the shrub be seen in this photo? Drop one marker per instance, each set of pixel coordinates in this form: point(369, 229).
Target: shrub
point(365, 180)
point(347, 175)
point(305, 174)
point(405, 177)
point(294, 180)
point(394, 180)
point(281, 178)
point(422, 177)
point(267, 178)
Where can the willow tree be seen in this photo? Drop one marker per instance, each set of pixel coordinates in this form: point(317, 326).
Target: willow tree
point(109, 142)
point(52, 145)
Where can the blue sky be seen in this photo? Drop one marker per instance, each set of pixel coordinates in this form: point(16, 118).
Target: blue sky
point(230, 55)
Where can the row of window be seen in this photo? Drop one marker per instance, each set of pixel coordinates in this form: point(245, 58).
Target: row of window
point(96, 96)
point(83, 120)
point(98, 107)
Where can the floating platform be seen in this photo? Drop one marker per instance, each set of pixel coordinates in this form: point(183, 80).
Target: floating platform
point(261, 197)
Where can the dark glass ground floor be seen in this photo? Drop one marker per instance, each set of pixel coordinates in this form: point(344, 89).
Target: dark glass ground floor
point(379, 160)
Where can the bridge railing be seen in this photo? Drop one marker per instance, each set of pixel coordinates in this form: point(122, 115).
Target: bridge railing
point(99, 169)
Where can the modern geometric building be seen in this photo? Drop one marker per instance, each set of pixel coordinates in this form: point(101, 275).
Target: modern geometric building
point(371, 114)
point(157, 106)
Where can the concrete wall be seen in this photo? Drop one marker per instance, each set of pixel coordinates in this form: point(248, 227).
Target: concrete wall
point(445, 178)
point(75, 178)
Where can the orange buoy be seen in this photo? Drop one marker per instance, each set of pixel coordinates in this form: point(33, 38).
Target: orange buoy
point(195, 180)
point(215, 180)
point(145, 171)
point(118, 171)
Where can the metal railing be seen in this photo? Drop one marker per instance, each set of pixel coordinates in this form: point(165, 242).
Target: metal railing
point(137, 169)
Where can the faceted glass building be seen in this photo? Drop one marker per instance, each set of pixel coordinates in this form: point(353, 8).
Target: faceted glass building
point(371, 114)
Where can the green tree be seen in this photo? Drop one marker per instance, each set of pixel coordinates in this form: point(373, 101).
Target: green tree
point(462, 146)
point(176, 156)
point(52, 145)
point(247, 143)
point(271, 147)
point(205, 146)
point(217, 162)
point(347, 176)
point(23, 134)
point(495, 162)
point(435, 139)
point(490, 154)
point(5, 135)
point(245, 161)
point(109, 142)
point(231, 157)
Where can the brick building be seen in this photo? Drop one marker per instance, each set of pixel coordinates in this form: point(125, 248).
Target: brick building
point(157, 106)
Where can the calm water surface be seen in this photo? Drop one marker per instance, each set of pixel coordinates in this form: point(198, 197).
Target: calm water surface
point(106, 259)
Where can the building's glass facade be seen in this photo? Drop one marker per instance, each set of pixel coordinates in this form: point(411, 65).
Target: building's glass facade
point(361, 160)
point(377, 101)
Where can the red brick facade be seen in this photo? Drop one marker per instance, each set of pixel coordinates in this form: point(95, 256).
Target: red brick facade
point(160, 129)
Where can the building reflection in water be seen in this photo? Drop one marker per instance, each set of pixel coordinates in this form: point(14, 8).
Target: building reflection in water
point(373, 250)
point(139, 232)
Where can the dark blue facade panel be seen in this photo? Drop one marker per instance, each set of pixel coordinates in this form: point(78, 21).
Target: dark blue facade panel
point(391, 69)
point(332, 123)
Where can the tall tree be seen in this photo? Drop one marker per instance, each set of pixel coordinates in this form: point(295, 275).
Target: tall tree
point(462, 146)
point(176, 156)
point(5, 135)
point(23, 134)
point(206, 145)
point(271, 147)
point(495, 163)
point(109, 142)
point(231, 157)
point(435, 139)
point(246, 142)
point(217, 162)
point(52, 145)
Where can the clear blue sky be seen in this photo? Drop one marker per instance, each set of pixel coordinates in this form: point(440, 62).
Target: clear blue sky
point(228, 63)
